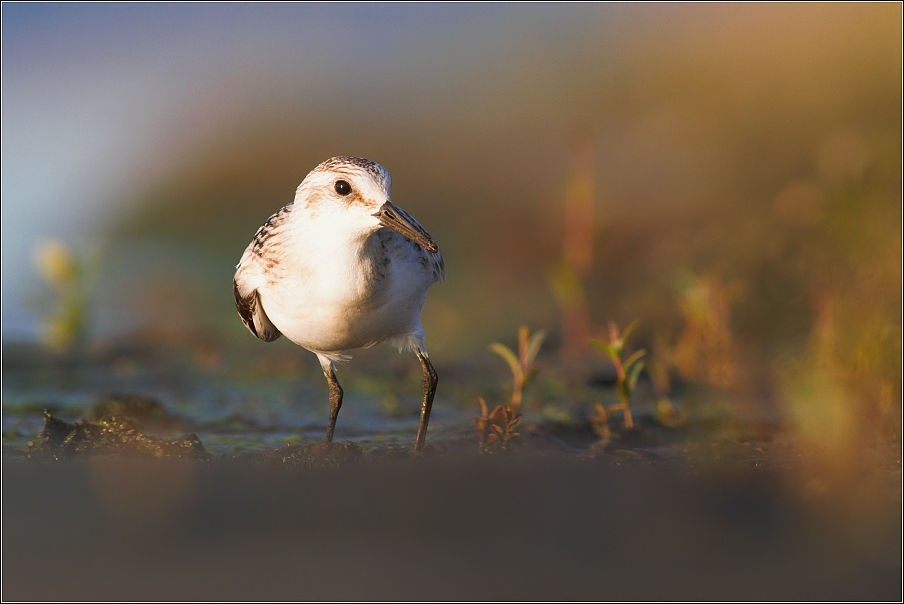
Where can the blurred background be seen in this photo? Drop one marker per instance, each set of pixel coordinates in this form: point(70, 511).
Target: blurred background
point(730, 175)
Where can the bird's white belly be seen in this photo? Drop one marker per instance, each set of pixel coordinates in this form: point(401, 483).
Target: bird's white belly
point(341, 310)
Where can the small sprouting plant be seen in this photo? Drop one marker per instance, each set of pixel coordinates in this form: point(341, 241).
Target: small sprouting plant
point(66, 307)
point(522, 364)
point(628, 369)
point(495, 428)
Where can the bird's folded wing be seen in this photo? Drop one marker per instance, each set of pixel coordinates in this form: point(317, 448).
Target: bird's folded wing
point(248, 302)
point(435, 260)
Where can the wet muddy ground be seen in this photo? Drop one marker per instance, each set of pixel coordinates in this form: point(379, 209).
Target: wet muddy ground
point(140, 477)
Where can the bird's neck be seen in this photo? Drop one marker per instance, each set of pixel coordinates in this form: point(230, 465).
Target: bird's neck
point(340, 253)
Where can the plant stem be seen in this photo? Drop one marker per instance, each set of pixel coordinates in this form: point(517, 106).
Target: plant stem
point(517, 390)
point(626, 407)
point(629, 421)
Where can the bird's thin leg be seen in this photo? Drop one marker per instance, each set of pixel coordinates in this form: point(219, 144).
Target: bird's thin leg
point(428, 382)
point(335, 398)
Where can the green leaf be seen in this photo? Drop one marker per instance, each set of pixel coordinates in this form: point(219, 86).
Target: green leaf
point(506, 353)
point(629, 329)
point(605, 347)
point(633, 359)
point(634, 374)
point(533, 346)
point(599, 344)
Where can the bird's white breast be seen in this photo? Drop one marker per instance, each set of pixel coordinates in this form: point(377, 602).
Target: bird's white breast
point(330, 288)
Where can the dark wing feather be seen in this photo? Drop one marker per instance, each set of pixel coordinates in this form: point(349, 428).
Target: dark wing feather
point(253, 315)
point(433, 260)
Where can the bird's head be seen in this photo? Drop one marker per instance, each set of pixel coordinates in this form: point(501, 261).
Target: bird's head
point(356, 192)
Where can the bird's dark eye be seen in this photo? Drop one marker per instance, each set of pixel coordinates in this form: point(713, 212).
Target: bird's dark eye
point(343, 188)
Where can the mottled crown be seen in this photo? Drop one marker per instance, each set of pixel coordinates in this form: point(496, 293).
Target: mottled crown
point(349, 163)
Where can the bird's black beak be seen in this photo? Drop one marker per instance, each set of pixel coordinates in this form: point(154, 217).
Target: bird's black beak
point(392, 218)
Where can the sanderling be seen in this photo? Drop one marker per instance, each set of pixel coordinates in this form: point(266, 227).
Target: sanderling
point(341, 268)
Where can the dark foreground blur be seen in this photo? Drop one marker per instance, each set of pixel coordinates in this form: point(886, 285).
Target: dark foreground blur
point(437, 529)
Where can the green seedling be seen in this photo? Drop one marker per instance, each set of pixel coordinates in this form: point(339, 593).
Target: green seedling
point(65, 305)
point(496, 428)
point(522, 364)
point(628, 369)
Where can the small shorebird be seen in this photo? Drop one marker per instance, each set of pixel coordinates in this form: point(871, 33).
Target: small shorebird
point(341, 268)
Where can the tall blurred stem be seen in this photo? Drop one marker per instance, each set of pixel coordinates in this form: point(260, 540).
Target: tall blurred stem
point(577, 248)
